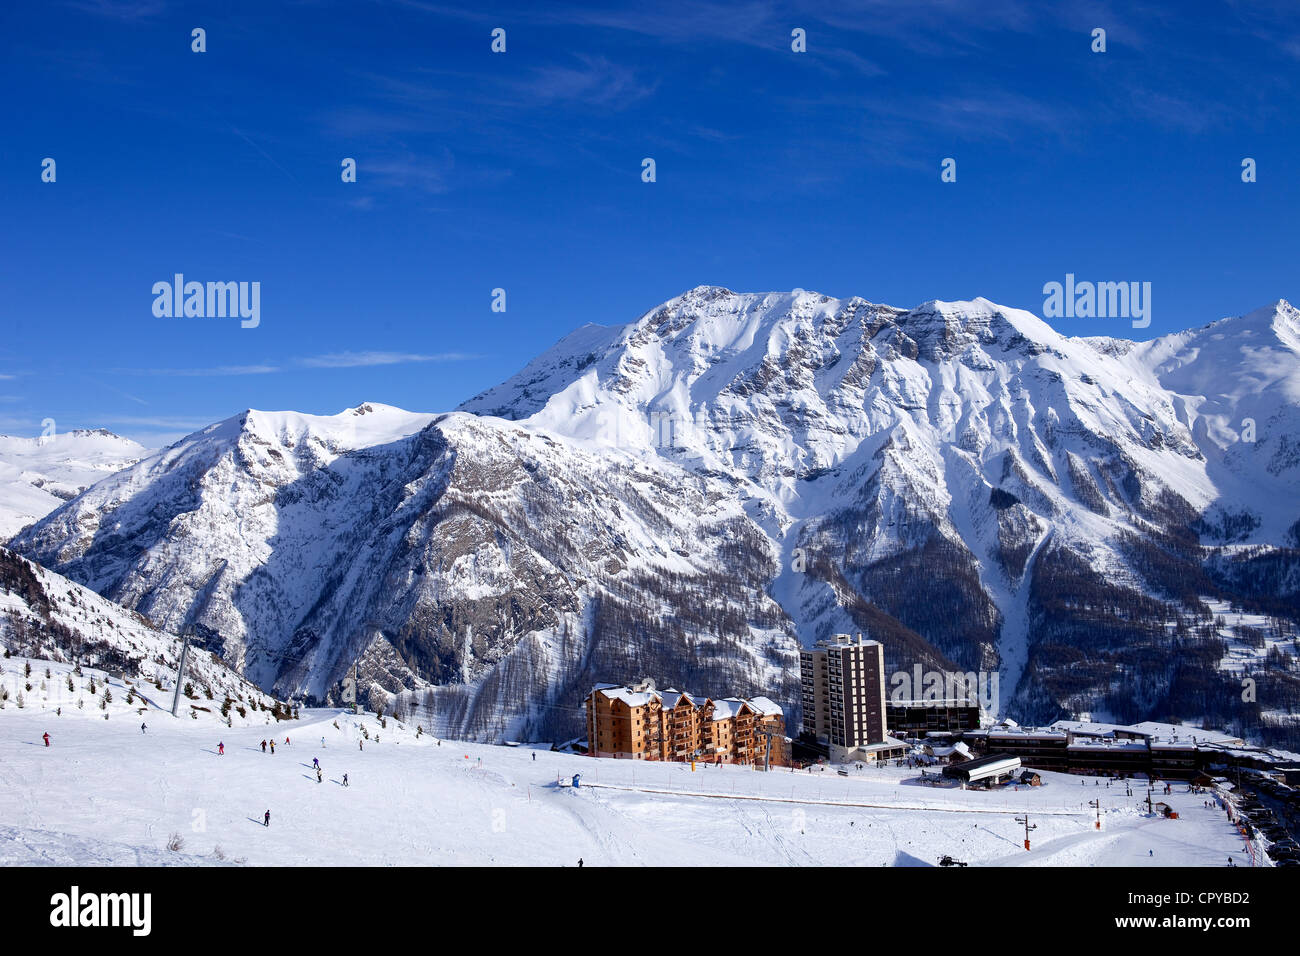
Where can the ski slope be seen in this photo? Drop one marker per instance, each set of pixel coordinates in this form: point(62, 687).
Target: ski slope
point(104, 793)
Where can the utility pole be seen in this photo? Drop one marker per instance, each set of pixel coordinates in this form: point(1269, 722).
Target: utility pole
point(180, 673)
point(1028, 827)
point(768, 735)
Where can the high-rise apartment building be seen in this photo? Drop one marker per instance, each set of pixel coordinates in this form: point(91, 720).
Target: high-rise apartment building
point(843, 695)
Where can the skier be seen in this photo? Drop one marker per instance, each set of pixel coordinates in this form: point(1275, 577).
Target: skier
point(142, 727)
point(534, 756)
point(272, 746)
point(266, 820)
point(580, 863)
point(263, 746)
point(315, 762)
point(318, 776)
point(360, 746)
point(47, 739)
point(286, 741)
point(345, 780)
point(221, 750)
point(322, 741)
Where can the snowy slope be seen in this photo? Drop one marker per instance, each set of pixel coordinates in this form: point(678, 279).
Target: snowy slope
point(39, 474)
point(64, 646)
point(1230, 378)
point(415, 801)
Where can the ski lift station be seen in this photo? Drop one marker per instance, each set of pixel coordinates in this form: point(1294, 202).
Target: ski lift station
point(986, 771)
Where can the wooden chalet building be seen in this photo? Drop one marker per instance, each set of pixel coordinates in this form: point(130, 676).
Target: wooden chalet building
point(641, 723)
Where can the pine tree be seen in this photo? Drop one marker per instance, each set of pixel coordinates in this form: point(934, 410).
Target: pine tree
point(71, 686)
point(27, 669)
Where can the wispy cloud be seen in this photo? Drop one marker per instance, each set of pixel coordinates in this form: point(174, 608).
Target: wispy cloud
point(201, 372)
point(593, 80)
point(410, 171)
point(762, 24)
point(269, 158)
point(162, 422)
point(364, 359)
point(358, 359)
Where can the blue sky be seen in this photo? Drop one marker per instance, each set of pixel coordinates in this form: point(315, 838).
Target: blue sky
point(522, 171)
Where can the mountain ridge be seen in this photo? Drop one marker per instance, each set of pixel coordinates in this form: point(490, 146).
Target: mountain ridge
point(942, 476)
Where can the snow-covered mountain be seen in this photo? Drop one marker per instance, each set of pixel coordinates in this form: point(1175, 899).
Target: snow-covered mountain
point(690, 495)
point(83, 645)
point(39, 474)
point(490, 566)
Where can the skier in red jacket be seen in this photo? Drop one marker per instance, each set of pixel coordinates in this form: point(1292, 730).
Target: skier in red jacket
point(47, 739)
